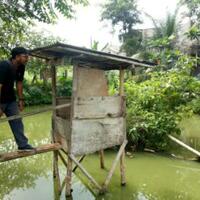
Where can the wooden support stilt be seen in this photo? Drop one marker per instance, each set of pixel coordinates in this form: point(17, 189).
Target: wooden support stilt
point(122, 157)
point(20, 154)
point(56, 176)
point(62, 159)
point(69, 177)
point(85, 172)
point(101, 154)
point(110, 174)
point(69, 166)
point(122, 168)
point(56, 172)
point(80, 160)
point(63, 184)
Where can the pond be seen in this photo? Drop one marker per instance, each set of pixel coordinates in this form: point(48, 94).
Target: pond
point(149, 176)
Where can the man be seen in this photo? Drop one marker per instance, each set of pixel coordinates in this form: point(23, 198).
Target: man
point(12, 71)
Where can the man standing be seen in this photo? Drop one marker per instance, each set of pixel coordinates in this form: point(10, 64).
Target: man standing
point(11, 72)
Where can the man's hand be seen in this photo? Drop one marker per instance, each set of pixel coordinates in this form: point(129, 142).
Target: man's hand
point(21, 105)
point(1, 112)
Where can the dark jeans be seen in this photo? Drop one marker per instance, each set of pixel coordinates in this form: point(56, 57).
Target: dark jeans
point(16, 125)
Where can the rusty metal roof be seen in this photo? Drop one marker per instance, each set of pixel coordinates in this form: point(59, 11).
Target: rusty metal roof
point(87, 57)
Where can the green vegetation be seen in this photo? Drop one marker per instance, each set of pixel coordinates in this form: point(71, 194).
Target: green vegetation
point(24, 14)
point(124, 15)
point(157, 105)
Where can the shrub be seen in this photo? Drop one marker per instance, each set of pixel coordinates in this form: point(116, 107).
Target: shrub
point(155, 106)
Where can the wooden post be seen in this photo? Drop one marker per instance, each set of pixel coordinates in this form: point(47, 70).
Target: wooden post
point(80, 160)
point(85, 172)
point(70, 162)
point(69, 178)
point(62, 158)
point(121, 150)
point(122, 157)
point(55, 153)
point(101, 154)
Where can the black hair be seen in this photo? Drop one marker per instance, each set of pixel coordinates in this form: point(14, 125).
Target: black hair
point(17, 51)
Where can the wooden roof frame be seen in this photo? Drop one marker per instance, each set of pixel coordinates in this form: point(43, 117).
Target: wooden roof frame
point(87, 57)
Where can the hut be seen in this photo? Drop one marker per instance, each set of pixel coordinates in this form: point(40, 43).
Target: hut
point(92, 120)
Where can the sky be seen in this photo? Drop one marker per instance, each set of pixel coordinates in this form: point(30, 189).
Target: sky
point(87, 27)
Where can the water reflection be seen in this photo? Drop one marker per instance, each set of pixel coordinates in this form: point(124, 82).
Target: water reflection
point(21, 173)
point(149, 176)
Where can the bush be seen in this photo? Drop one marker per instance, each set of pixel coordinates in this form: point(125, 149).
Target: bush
point(41, 93)
point(155, 106)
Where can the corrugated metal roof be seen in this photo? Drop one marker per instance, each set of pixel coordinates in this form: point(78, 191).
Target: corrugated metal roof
point(87, 57)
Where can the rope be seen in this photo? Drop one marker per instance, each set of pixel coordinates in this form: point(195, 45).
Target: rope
point(34, 113)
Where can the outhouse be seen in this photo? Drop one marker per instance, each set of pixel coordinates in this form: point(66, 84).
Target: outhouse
point(91, 119)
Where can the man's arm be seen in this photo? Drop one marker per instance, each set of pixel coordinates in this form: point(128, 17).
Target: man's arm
point(1, 112)
point(19, 86)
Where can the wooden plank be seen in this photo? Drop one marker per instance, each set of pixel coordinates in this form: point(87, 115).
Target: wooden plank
point(110, 106)
point(90, 82)
point(101, 133)
point(65, 112)
point(85, 172)
point(184, 145)
point(63, 127)
point(42, 149)
point(110, 174)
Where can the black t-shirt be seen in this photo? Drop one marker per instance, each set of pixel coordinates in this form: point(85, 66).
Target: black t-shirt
point(8, 76)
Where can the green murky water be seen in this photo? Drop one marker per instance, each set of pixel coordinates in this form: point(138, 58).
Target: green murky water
point(149, 176)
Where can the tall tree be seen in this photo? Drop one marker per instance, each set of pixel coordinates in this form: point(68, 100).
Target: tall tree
point(161, 46)
point(42, 10)
point(16, 17)
point(194, 10)
point(124, 14)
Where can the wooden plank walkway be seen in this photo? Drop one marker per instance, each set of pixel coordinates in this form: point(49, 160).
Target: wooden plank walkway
point(20, 154)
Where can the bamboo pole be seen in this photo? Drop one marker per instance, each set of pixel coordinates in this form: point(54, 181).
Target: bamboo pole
point(55, 153)
point(184, 145)
point(80, 160)
point(69, 177)
point(122, 157)
point(121, 82)
point(63, 184)
point(101, 154)
point(62, 159)
point(110, 174)
point(34, 113)
point(85, 172)
point(17, 154)
point(70, 164)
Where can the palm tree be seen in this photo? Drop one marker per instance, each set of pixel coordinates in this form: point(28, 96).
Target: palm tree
point(163, 40)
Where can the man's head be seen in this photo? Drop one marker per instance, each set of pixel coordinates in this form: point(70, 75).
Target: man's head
point(20, 55)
